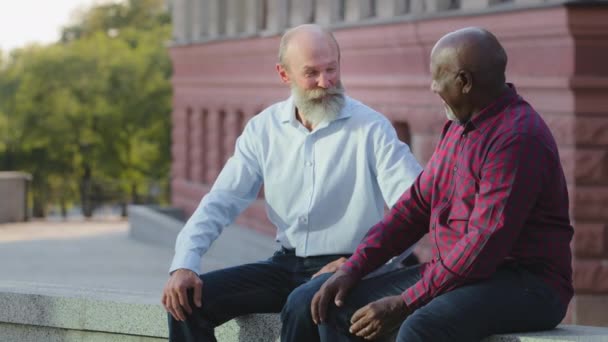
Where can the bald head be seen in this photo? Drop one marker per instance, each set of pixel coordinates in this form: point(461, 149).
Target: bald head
point(306, 38)
point(475, 50)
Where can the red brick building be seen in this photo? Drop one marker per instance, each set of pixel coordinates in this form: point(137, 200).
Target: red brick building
point(224, 52)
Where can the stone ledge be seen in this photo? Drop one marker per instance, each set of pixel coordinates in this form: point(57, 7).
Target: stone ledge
point(85, 310)
point(35, 312)
point(151, 226)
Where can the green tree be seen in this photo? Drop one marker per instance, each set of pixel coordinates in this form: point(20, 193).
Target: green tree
point(90, 114)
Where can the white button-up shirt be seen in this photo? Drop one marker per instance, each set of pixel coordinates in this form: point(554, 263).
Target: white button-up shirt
point(323, 188)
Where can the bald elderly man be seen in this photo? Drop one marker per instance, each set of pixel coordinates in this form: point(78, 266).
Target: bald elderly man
point(494, 202)
point(329, 164)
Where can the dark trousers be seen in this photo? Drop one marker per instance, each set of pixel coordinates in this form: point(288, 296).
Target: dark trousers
point(262, 287)
point(512, 300)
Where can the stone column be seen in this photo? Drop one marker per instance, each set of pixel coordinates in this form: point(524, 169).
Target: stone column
point(474, 4)
point(277, 15)
point(301, 12)
point(190, 18)
point(179, 19)
point(327, 12)
point(431, 6)
point(418, 7)
point(235, 17)
point(356, 10)
point(390, 8)
point(216, 18)
point(254, 18)
point(588, 83)
point(199, 20)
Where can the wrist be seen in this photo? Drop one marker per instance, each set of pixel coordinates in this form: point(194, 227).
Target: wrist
point(402, 306)
point(184, 271)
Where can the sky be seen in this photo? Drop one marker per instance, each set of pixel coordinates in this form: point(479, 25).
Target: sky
point(27, 21)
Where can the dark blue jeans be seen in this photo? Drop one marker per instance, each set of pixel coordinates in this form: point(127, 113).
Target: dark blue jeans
point(513, 300)
point(262, 287)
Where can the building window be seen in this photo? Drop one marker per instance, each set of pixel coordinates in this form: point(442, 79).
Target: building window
point(204, 144)
point(221, 146)
point(239, 122)
point(403, 132)
point(189, 145)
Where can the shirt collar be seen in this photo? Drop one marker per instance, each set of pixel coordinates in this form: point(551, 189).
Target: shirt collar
point(288, 114)
point(480, 120)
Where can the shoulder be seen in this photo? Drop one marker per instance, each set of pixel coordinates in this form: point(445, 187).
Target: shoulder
point(362, 115)
point(522, 123)
point(520, 118)
point(269, 116)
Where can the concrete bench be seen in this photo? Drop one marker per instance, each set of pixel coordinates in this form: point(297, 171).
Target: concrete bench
point(34, 312)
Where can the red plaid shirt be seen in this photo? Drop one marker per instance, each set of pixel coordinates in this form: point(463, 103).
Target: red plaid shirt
point(493, 192)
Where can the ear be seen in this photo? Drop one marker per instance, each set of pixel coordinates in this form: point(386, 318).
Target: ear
point(283, 73)
point(466, 80)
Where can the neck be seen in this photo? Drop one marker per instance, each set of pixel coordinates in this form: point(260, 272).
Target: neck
point(486, 99)
point(302, 118)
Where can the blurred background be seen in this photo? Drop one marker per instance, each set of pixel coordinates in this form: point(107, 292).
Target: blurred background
point(117, 116)
point(87, 115)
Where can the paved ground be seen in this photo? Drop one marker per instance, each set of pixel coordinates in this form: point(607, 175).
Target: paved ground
point(99, 254)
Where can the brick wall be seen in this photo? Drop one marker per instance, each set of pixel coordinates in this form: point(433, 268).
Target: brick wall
point(556, 59)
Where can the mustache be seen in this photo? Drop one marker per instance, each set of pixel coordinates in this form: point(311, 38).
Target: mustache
point(321, 93)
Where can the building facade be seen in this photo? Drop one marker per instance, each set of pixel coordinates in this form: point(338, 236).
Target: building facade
point(224, 53)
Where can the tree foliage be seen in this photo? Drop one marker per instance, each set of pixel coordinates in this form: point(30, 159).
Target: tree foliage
point(91, 112)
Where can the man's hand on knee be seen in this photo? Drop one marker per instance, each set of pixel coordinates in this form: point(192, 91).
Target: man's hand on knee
point(175, 293)
point(331, 267)
point(335, 288)
point(379, 318)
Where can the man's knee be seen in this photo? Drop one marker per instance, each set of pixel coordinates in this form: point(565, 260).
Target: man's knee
point(423, 325)
point(298, 302)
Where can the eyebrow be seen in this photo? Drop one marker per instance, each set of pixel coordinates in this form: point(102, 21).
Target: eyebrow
point(311, 68)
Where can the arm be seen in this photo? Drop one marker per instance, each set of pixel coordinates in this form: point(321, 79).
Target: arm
point(395, 169)
point(395, 166)
point(235, 188)
point(405, 224)
point(510, 183)
point(400, 228)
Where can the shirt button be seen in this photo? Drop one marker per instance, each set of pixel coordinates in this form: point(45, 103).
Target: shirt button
point(304, 219)
point(455, 168)
point(464, 135)
point(308, 163)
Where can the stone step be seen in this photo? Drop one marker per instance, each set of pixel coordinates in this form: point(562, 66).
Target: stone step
point(43, 312)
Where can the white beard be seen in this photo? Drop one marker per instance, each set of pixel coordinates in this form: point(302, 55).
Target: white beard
point(318, 104)
point(450, 114)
